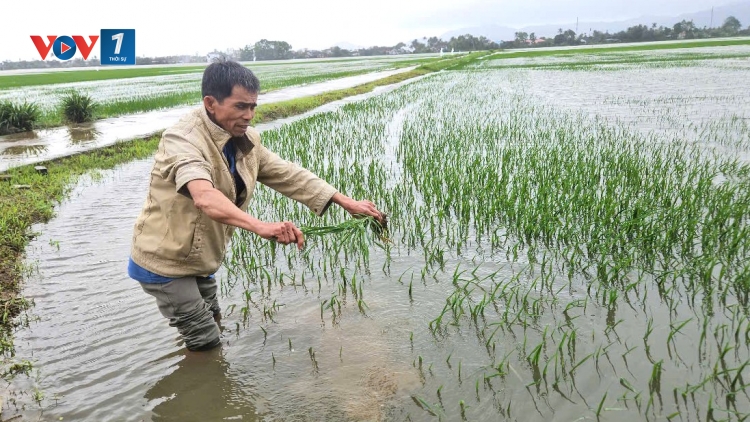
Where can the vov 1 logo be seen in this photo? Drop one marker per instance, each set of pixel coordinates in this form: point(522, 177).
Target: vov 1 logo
point(117, 46)
point(64, 48)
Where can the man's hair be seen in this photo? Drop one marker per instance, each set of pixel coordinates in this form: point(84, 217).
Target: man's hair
point(221, 76)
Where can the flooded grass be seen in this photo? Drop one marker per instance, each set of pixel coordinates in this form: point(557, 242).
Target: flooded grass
point(567, 245)
point(86, 75)
point(585, 59)
point(565, 264)
point(64, 76)
point(27, 197)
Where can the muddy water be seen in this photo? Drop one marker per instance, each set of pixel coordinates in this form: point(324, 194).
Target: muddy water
point(103, 351)
point(42, 145)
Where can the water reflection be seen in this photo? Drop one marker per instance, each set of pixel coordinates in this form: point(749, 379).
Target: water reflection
point(27, 150)
point(21, 136)
point(200, 389)
point(81, 134)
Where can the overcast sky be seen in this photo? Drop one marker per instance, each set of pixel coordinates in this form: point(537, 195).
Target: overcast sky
point(169, 28)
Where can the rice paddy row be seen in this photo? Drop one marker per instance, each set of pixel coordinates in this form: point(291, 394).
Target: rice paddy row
point(61, 76)
point(617, 59)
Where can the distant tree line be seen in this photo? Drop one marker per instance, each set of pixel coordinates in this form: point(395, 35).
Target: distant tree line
point(281, 50)
point(638, 33)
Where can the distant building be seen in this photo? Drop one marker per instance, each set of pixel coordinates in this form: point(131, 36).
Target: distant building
point(211, 57)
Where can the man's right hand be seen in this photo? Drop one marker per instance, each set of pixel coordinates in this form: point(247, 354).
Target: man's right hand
point(220, 208)
point(285, 233)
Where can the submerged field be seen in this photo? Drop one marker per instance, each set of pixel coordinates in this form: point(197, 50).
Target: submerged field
point(572, 262)
point(123, 91)
point(565, 244)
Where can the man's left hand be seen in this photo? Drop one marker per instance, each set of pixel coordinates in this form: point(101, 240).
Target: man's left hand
point(355, 208)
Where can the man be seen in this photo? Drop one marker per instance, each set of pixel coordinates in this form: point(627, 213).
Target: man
point(203, 177)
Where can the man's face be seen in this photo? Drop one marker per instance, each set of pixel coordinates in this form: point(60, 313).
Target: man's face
point(235, 112)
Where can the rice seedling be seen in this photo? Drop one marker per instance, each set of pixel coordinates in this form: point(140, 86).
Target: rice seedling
point(16, 117)
point(432, 410)
point(77, 107)
point(314, 361)
point(553, 232)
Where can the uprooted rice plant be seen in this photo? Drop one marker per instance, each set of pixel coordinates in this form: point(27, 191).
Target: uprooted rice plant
point(547, 257)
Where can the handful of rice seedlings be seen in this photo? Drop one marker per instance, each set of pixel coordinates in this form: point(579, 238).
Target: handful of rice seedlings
point(354, 232)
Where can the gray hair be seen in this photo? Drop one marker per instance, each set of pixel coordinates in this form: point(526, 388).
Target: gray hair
point(222, 76)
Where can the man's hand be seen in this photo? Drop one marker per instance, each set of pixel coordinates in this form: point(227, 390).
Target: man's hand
point(219, 208)
point(355, 208)
point(285, 233)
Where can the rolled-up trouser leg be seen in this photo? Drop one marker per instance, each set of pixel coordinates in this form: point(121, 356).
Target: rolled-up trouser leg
point(180, 300)
point(207, 287)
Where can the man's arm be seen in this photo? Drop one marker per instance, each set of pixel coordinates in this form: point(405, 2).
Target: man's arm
point(219, 208)
point(303, 186)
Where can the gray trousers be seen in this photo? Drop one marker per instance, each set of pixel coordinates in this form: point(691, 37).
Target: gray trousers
point(190, 303)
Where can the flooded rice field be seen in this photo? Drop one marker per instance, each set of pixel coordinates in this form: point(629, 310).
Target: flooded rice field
point(564, 245)
point(47, 144)
point(181, 81)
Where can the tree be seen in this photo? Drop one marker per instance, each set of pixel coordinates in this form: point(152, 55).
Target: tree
point(337, 51)
point(570, 36)
point(469, 42)
point(731, 25)
point(272, 50)
point(246, 54)
point(418, 47)
point(521, 37)
point(685, 27)
point(532, 38)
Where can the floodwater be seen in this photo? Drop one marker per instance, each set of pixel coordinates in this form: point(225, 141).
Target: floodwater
point(103, 352)
point(47, 144)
